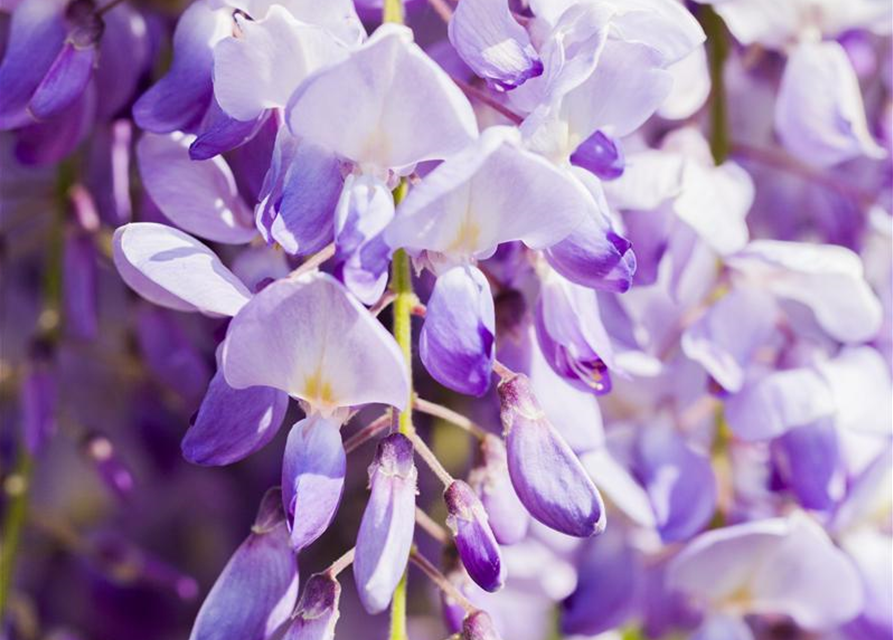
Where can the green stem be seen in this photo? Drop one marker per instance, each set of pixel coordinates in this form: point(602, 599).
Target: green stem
point(398, 611)
point(718, 48)
point(401, 283)
point(16, 488)
point(404, 299)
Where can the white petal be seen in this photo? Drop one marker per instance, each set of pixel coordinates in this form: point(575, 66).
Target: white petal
point(310, 338)
point(387, 106)
point(262, 68)
point(172, 269)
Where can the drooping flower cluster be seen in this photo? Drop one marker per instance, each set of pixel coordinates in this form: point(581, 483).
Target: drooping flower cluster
point(647, 245)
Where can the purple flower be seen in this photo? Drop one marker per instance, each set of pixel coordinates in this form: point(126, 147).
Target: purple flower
point(386, 531)
point(475, 541)
point(491, 482)
point(548, 477)
point(479, 626)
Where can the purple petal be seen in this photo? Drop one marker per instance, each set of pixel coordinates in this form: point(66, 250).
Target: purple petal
point(679, 481)
point(595, 256)
point(493, 44)
point(231, 424)
point(300, 193)
point(110, 468)
point(64, 82)
point(36, 34)
point(365, 208)
point(601, 155)
point(607, 586)
point(719, 626)
point(317, 614)
point(386, 531)
point(475, 541)
point(219, 133)
point(457, 343)
point(548, 477)
point(809, 461)
point(257, 589)
point(180, 98)
point(507, 516)
point(52, 140)
point(38, 398)
point(118, 76)
point(200, 197)
point(80, 294)
point(312, 477)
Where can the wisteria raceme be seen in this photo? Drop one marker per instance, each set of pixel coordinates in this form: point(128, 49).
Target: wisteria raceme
point(579, 313)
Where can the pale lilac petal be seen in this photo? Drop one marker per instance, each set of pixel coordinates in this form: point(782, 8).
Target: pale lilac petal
point(198, 196)
point(65, 80)
point(819, 115)
point(828, 279)
point(310, 338)
point(691, 86)
point(493, 192)
point(174, 270)
point(773, 403)
point(493, 44)
point(231, 424)
point(257, 589)
point(312, 477)
point(726, 338)
point(666, 25)
point(36, 34)
point(359, 108)
point(262, 67)
point(386, 531)
point(547, 475)
point(457, 343)
point(180, 98)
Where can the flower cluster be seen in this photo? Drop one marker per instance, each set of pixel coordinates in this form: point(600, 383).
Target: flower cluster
point(639, 250)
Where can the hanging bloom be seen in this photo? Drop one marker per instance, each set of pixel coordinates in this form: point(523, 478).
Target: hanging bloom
point(368, 131)
point(475, 541)
point(386, 531)
point(490, 193)
point(257, 589)
point(548, 477)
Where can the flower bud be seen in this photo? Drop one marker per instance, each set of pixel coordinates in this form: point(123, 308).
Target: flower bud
point(479, 626)
point(549, 479)
point(508, 518)
point(38, 399)
point(317, 611)
point(386, 531)
point(475, 541)
point(109, 466)
point(256, 591)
